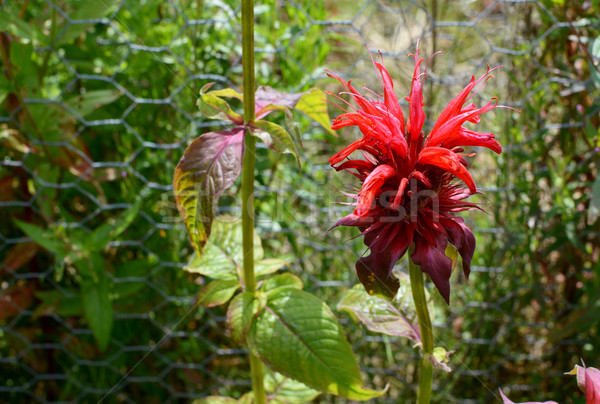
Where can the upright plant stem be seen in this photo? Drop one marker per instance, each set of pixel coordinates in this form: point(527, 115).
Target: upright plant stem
point(256, 366)
point(426, 368)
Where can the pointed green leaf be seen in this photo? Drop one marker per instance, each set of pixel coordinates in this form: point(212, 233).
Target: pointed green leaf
point(84, 104)
point(377, 314)
point(86, 10)
point(242, 309)
point(217, 292)
point(286, 280)
point(275, 137)
point(96, 299)
point(594, 209)
point(269, 265)
point(298, 336)
point(215, 400)
point(47, 238)
point(223, 253)
point(208, 167)
point(111, 229)
point(228, 92)
point(314, 105)
point(283, 390)
point(213, 107)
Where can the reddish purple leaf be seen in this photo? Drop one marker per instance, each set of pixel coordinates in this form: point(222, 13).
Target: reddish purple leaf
point(268, 99)
point(208, 167)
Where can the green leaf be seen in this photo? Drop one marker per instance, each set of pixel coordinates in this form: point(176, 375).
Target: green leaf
point(227, 92)
point(283, 390)
point(242, 309)
point(298, 336)
point(22, 29)
point(269, 265)
point(6, 87)
point(21, 56)
point(594, 209)
point(217, 292)
point(441, 358)
point(452, 253)
point(64, 304)
point(86, 10)
point(215, 400)
point(223, 253)
point(314, 105)
point(84, 104)
point(377, 314)
point(208, 167)
point(286, 280)
point(112, 228)
point(48, 239)
point(213, 107)
point(275, 137)
point(96, 301)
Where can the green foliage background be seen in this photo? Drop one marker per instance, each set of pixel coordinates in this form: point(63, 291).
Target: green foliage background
point(97, 103)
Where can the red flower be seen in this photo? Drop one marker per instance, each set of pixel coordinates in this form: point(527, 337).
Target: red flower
point(408, 197)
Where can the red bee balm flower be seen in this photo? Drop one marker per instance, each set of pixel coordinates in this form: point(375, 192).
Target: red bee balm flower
point(408, 197)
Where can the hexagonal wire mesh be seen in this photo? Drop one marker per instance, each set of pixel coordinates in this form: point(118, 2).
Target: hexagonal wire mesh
point(111, 114)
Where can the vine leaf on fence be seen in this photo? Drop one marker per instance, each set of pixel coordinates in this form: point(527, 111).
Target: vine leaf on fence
point(209, 166)
point(84, 104)
point(109, 230)
point(298, 335)
point(594, 209)
point(95, 293)
point(377, 314)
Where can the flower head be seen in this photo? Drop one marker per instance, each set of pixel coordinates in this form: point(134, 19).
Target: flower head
point(408, 196)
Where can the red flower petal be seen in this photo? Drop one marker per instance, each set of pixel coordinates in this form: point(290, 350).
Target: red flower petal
point(415, 101)
point(466, 137)
point(447, 160)
point(390, 99)
point(450, 128)
point(371, 186)
point(435, 263)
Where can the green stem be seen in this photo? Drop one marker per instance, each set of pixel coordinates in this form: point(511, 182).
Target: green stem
point(256, 366)
point(426, 369)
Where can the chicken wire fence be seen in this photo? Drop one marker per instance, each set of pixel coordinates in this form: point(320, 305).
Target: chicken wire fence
point(107, 121)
